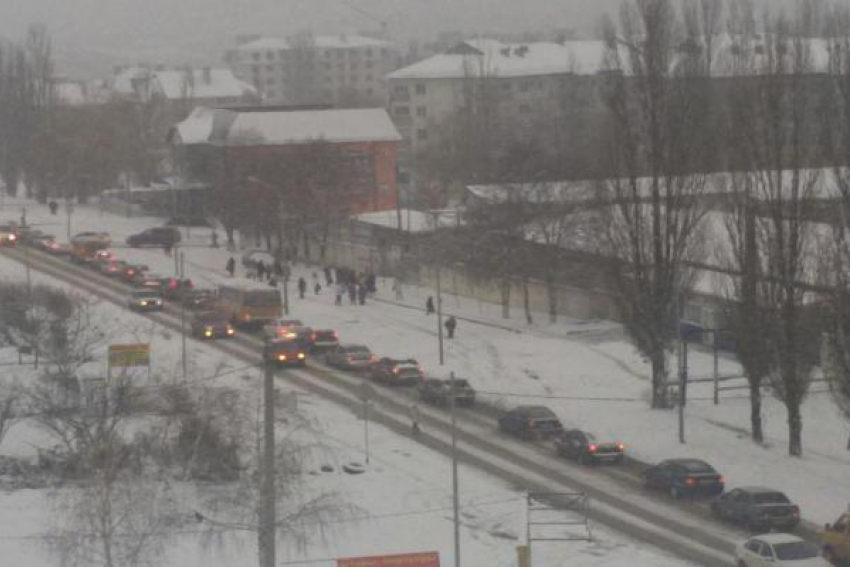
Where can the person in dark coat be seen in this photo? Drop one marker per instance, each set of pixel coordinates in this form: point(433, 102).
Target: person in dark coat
point(317, 289)
point(429, 305)
point(54, 206)
point(361, 293)
point(328, 279)
point(302, 287)
point(370, 283)
point(261, 270)
point(278, 268)
point(450, 324)
point(231, 266)
point(352, 293)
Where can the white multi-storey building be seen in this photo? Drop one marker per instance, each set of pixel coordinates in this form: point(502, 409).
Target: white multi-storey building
point(343, 70)
point(522, 79)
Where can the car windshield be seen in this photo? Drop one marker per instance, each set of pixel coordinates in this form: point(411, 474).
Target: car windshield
point(356, 350)
point(263, 298)
point(460, 383)
point(591, 438)
point(325, 335)
point(540, 413)
point(794, 550)
point(770, 498)
point(212, 318)
point(696, 467)
point(146, 294)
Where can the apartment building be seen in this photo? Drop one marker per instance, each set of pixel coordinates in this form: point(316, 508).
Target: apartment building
point(522, 80)
point(342, 70)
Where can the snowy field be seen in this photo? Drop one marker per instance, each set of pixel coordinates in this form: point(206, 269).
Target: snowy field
point(404, 497)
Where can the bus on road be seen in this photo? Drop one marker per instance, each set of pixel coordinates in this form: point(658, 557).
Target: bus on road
point(249, 303)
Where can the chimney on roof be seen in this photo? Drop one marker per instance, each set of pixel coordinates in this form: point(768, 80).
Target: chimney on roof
point(207, 76)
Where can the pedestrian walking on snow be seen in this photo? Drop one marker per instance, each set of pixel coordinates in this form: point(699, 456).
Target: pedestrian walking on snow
point(317, 289)
point(397, 289)
point(415, 416)
point(450, 324)
point(340, 291)
point(361, 293)
point(231, 266)
point(261, 270)
point(352, 293)
point(302, 287)
point(429, 305)
point(328, 279)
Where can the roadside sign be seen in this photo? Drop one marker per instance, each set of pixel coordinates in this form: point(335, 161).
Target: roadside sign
point(424, 559)
point(123, 356)
point(366, 392)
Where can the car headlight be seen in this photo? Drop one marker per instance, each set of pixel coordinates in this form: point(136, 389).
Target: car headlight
point(230, 330)
point(208, 332)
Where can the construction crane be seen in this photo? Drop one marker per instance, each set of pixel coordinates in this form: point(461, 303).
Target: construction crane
point(368, 15)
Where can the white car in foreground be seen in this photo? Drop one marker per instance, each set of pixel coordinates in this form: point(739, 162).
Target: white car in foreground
point(776, 550)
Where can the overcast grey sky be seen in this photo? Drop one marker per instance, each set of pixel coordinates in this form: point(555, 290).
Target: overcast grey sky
point(95, 34)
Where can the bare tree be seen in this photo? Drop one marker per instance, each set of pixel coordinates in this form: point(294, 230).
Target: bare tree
point(657, 97)
point(778, 138)
point(834, 272)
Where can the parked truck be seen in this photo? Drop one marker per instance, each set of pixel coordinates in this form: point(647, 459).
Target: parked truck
point(85, 246)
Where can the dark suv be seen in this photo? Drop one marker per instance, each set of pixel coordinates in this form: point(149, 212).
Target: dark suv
point(757, 508)
point(162, 236)
point(531, 423)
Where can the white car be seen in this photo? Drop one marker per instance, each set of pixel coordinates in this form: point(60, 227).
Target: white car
point(778, 549)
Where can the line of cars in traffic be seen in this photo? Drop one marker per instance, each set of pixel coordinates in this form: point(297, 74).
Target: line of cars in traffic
point(759, 509)
point(290, 342)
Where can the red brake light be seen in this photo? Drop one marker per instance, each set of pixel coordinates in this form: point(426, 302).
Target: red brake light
point(336, 335)
point(531, 425)
point(12, 237)
point(690, 481)
point(281, 357)
point(131, 272)
point(591, 448)
point(313, 336)
point(796, 512)
point(395, 370)
point(172, 283)
point(621, 446)
point(374, 358)
point(721, 480)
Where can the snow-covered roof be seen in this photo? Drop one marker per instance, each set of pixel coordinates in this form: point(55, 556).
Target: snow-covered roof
point(490, 57)
point(175, 84)
point(542, 192)
point(233, 127)
point(320, 41)
point(202, 83)
point(411, 220)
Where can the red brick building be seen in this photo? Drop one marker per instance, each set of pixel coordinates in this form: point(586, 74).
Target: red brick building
point(264, 146)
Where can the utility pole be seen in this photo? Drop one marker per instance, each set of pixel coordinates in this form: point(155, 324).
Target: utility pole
point(439, 315)
point(455, 488)
point(286, 272)
point(716, 369)
point(183, 312)
point(266, 533)
point(683, 383)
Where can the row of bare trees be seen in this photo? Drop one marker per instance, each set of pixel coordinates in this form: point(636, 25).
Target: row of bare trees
point(727, 143)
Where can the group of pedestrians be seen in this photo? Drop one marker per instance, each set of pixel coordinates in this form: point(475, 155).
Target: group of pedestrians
point(356, 286)
point(450, 324)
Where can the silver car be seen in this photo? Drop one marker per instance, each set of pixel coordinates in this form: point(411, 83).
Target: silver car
point(145, 299)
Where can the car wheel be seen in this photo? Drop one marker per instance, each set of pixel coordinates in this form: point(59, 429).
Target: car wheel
point(583, 459)
point(716, 512)
point(741, 563)
point(753, 526)
point(675, 493)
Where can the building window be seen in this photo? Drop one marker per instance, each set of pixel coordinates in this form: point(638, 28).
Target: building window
point(506, 86)
point(368, 52)
point(353, 66)
point(385, 52)
point(354, 78)
point(420, 89)
point(525, 86)
point(256, 56)
point(369, 91)
point(400, 89)
point(421, 111)
point(368, 64)
point(524, 109)
point(257, 69)
point(422, 134)
point(340, 54)
point(270, 68)
point(402, 111)
point(270, 82)
point(327, 66)
point(368, 78)
point(269, 55)
point(328, 53)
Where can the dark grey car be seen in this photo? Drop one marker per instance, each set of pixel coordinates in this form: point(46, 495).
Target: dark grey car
point(531, 423)
point(757, 507)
